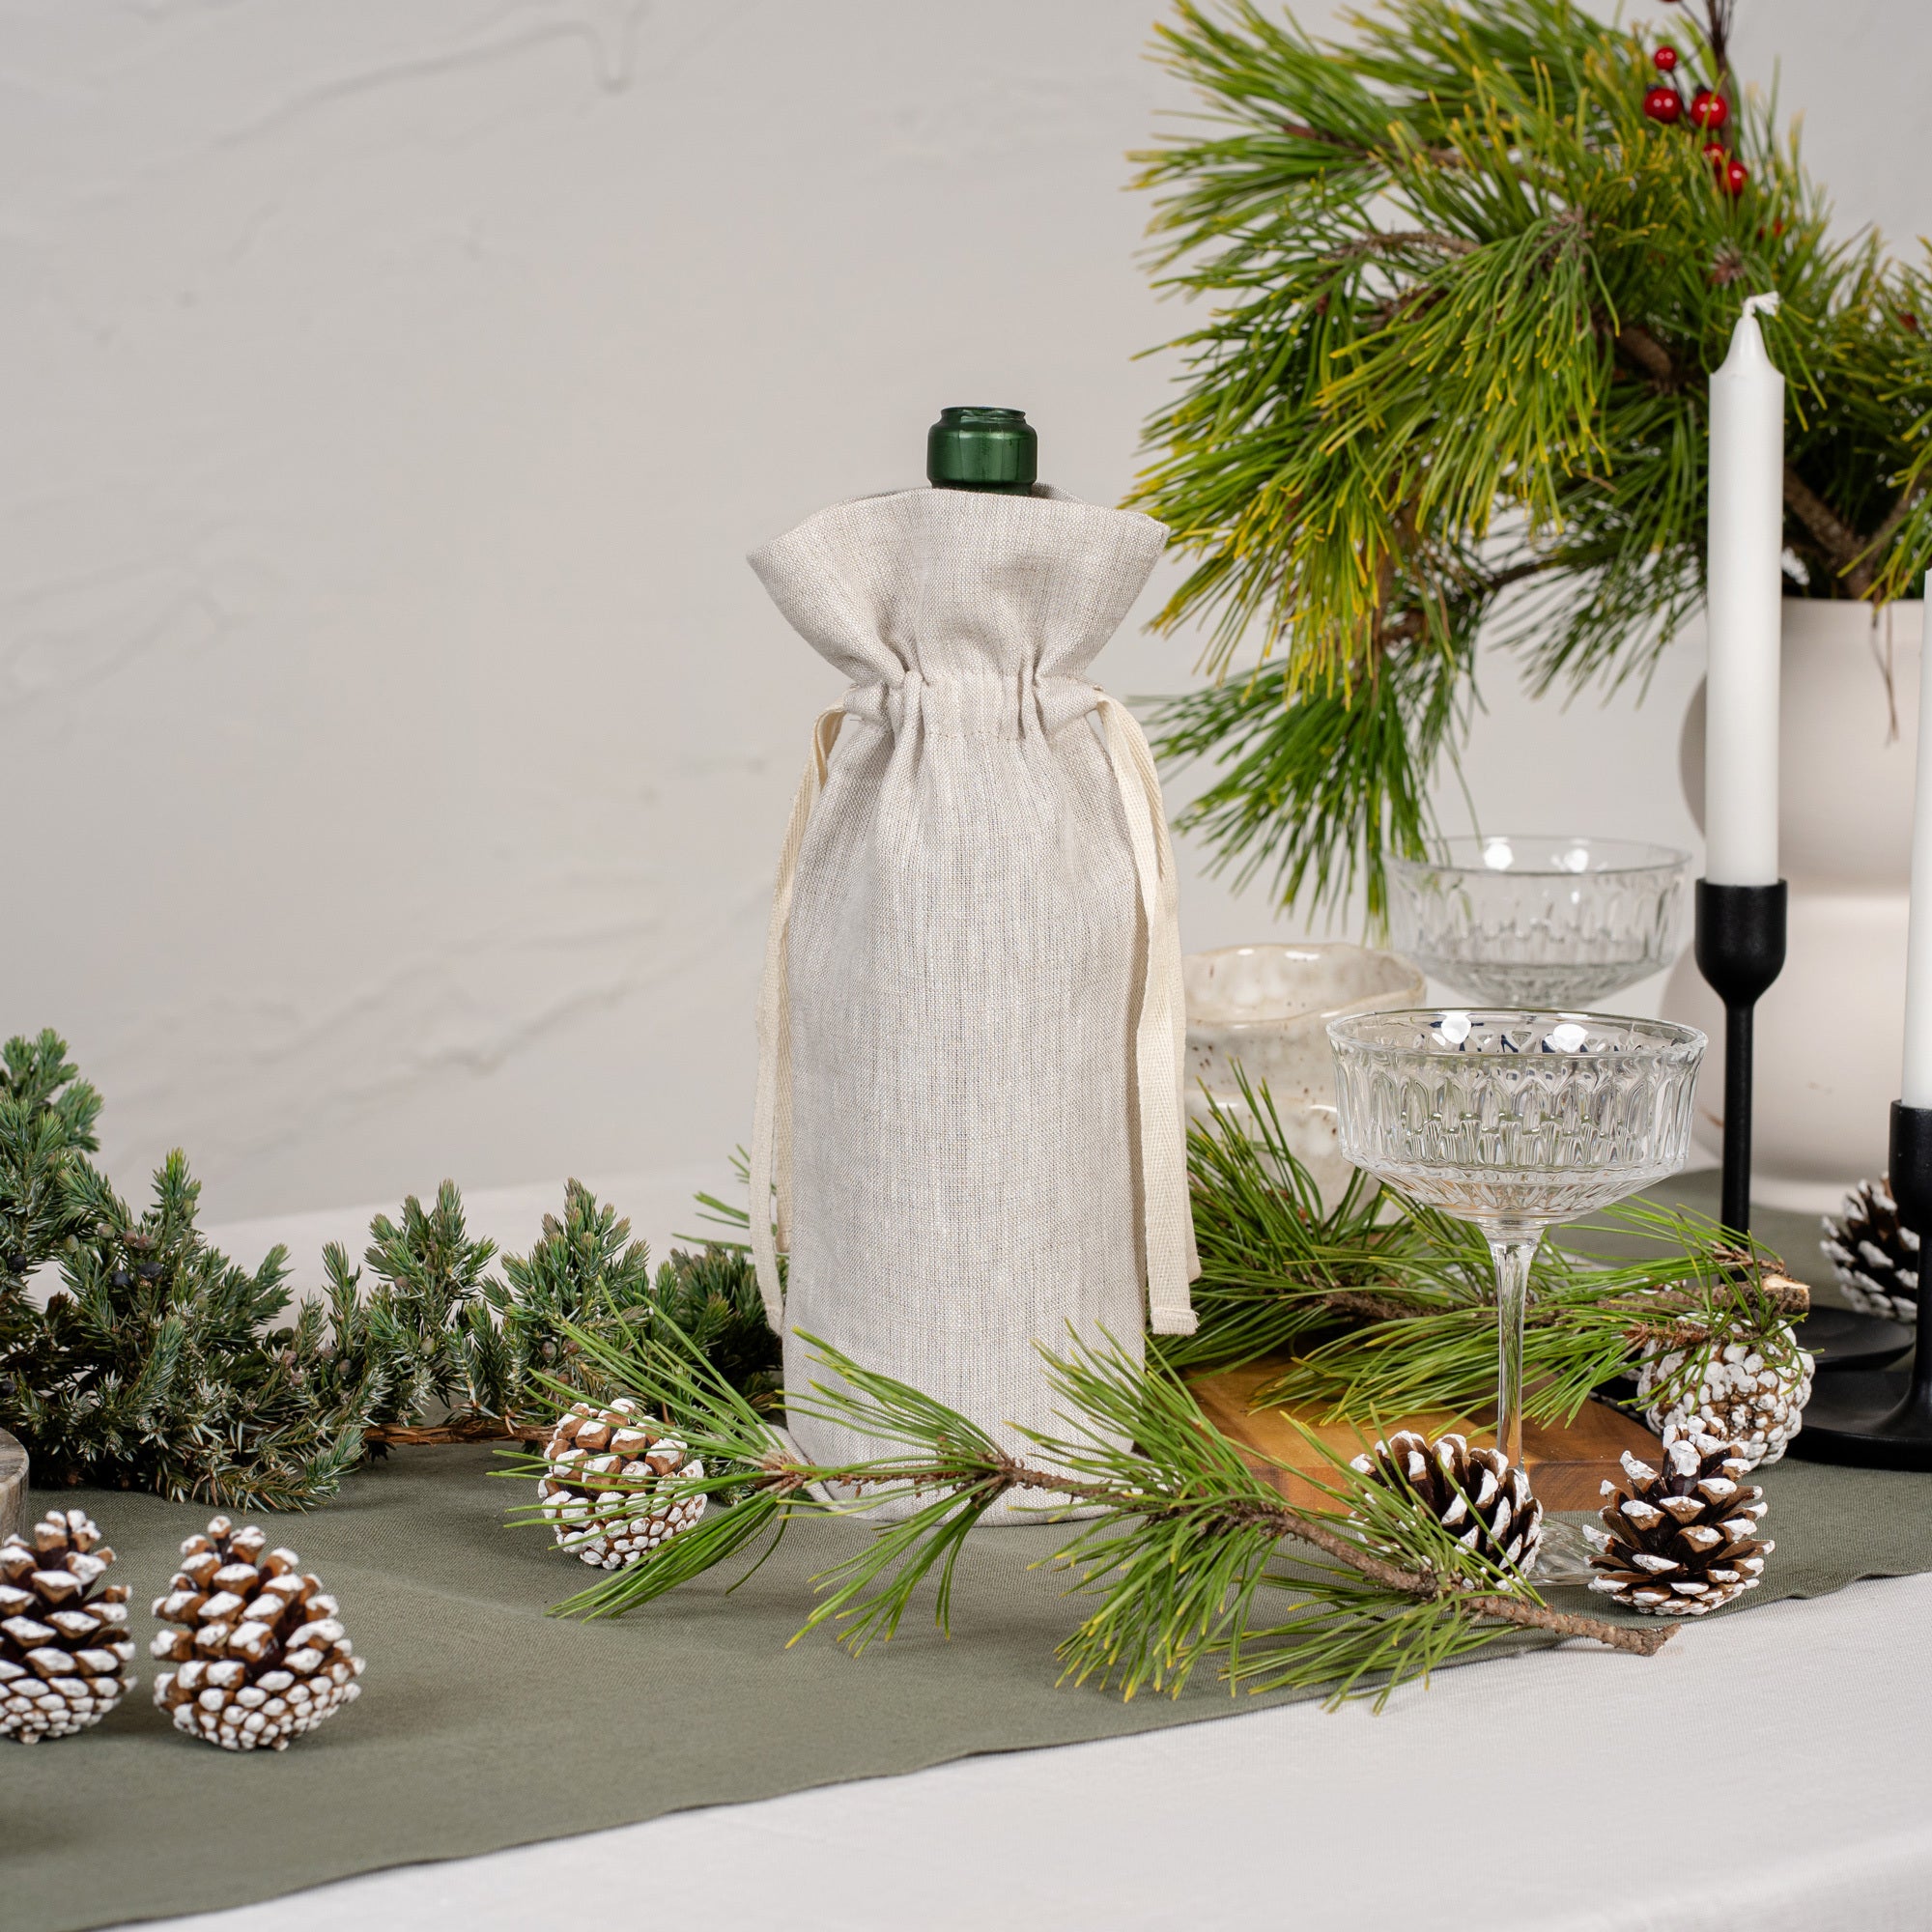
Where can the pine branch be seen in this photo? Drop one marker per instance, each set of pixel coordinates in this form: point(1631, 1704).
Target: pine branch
point(1387, 1307)
point(1459, 302)
point(1317, 785)
point(1183, 1538)
point(1841, 545)
point(1861, 577)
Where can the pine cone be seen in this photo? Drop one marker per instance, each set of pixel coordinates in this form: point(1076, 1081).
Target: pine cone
point(260, 1657)
point(1680, 1543)
point(1873, 1254)
point(612, 1526)
point(64, 1646)
point(1473, 1492)
point(1747, 1396)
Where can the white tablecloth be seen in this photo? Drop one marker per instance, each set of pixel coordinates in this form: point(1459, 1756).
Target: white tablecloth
point(1767, 1771)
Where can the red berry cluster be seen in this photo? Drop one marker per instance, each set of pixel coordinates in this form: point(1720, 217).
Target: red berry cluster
point(1708, 111)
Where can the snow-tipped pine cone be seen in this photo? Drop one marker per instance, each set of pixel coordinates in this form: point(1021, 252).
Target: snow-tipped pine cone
point(617, 1485)
point(260, 1656)
point(64, 1644)
point(1680, 1541)
point(1873, 1253)
point(1752, 1397)
point(1474, 1494)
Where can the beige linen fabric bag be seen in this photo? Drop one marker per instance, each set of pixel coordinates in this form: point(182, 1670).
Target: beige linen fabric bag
point(972, 1028)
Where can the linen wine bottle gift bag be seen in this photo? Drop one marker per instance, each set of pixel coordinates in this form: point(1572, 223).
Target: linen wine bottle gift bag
point(972, 1025)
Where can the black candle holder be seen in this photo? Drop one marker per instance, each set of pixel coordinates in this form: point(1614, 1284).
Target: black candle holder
point(1882, 1418)
point(1740, 953)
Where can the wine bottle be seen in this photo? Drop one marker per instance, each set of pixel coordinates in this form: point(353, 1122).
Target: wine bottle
point(971, 448)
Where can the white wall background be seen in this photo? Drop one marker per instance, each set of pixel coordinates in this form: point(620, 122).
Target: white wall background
point(394, 742)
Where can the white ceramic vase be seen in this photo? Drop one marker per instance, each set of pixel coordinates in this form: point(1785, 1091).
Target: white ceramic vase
point(1266, 1010)
point(1830, 1032)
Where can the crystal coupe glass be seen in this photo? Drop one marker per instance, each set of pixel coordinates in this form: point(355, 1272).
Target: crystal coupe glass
point(1513, 1120)
point(1523, 920)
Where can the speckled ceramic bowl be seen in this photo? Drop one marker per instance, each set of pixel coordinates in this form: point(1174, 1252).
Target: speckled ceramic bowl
point(1267, 1009)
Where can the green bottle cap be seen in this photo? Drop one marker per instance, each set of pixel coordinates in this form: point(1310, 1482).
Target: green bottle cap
point(983, 449)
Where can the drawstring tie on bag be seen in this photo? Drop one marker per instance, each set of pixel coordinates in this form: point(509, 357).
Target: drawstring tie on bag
point(1160, 1034)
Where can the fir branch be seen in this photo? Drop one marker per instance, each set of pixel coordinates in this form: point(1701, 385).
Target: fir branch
point(154, 1364)
point(462, 1356)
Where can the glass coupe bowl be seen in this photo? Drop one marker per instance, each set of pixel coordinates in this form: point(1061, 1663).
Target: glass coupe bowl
point(1519, 919)
point(1513, 1120)
point(1262, 1011)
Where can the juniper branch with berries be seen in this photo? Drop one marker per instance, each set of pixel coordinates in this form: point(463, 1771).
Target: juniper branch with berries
point(156, 1362)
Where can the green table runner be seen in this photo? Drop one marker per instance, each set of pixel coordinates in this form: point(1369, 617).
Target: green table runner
point(485, 1723)
point(475, 1703)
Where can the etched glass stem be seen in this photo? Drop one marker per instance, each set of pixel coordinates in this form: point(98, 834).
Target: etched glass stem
point(1511, 1255)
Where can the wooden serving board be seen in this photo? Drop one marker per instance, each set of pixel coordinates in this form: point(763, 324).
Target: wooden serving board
point(1567, 1466)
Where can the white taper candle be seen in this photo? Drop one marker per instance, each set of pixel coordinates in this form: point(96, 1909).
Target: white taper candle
point(1914, 1086)
point(1746, 579)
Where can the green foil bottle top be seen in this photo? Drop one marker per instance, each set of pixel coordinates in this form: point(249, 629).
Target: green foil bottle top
point(983, 449)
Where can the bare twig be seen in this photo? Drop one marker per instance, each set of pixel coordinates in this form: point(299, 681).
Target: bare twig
point(1639, 347)
point(1645, 1640)
point(1376, 1307)
point(1717, 36)
point(467, 1429)
point(1397, 240)
point(1501, 579)
point(1519, 1610)
point(1302, 131)
point(1844, 546)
